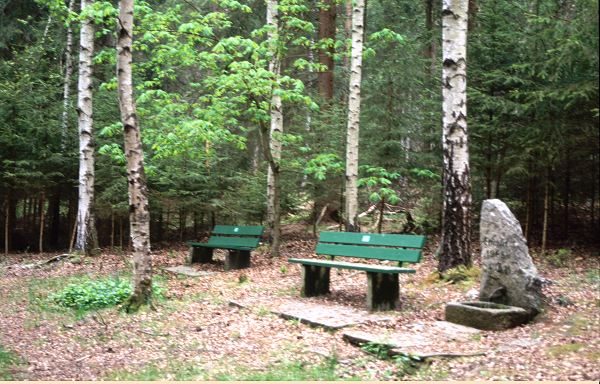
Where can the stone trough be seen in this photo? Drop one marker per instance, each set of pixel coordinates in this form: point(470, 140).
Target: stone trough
point(486, 315)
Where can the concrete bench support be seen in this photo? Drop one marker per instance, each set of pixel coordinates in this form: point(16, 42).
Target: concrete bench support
point(315, 280)
point(200, 255)
point(237, 259)
point(383, 291)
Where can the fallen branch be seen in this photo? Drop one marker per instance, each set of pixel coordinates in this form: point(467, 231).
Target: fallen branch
point(152, 333)
point(83, 358)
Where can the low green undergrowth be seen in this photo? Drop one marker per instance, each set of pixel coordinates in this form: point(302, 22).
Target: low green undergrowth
point(406, 363)
point(90, 294)
point(152, 372)
point(286, 371)
point(8, 361)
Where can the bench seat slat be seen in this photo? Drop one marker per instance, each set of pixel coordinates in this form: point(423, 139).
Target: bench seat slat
point(238, 230)
point(379, 239)
point(354, 266)
point(364, 252)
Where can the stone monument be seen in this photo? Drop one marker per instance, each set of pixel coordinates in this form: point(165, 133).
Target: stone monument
point(511, 290)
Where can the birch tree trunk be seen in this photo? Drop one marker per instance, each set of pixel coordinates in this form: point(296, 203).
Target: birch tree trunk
point(67, 81)
point(87, 239)
point(354, 117)
point(275, 132)
point(138, 196)
point(456, 216)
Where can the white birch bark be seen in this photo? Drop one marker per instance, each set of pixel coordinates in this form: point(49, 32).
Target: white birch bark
point(87, 239)
point(354, 117)
point(67, 81)
point(456, 218)
point(275, 132)
point(139, 216)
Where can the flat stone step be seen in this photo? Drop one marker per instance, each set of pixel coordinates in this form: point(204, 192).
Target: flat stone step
point(188, 271)
point(316, 315)
point(423, 340)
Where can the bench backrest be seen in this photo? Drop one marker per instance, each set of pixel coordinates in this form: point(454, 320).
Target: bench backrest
point(236, 235)
point(400, 248)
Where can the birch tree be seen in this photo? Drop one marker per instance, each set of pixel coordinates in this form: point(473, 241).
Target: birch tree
point(87, 239)
point(276, 130)
point(456, 217)
point(67, 79)
point(354, 117)
point(139, 216)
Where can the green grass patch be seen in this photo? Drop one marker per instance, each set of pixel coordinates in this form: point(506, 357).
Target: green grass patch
point(90, 294)
point(577, 325)
point(286, 371)
point(564, 349)
point(152, 372)
point(8, 363)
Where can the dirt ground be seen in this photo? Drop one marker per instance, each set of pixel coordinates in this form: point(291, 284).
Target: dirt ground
point(195, 334)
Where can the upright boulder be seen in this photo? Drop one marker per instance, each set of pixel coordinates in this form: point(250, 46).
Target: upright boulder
point(509, 276)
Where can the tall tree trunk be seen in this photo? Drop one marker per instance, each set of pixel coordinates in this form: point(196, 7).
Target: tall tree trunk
point(7, 223)
point(430, 50)
point(529, 209)
point(567, 195)
point(138, 195)
point(546, 210)
point(275, 132)
point(348, 30)
point(54, 213)
point(327, 14)
point(67, 81)
point(42, 221)
point(354, 117)
point(456, 219)
point(87, 238)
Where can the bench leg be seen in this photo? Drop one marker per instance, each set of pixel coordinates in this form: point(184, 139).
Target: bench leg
point(383, 291)
point(236, 259)
point(316, 280)
point(200, 255)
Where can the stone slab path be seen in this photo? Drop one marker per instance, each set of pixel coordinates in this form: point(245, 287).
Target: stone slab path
point(188, 271)
point(317, 315)
point(423, 340)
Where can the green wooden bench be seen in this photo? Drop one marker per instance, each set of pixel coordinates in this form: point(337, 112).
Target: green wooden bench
point(239, 240)
point(383, 286)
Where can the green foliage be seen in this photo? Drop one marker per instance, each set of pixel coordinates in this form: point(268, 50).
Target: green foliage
point(322, 164)
point(559, 257)
point(8, 360)
point(378, 182)
point(406, 363)
point(462, 274)
point(287, 371)
point(381, 351)
point(95, 294)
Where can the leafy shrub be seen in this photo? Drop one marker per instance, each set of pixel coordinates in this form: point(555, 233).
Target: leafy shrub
point(462, 273)
point(559, 257)
point(96, 294)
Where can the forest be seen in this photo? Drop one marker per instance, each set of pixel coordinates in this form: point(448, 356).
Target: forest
point(129, 129)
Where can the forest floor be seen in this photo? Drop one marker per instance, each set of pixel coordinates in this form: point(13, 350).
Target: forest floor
point(195, 334)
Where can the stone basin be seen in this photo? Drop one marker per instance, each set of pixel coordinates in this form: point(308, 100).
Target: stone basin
point(486, 315)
